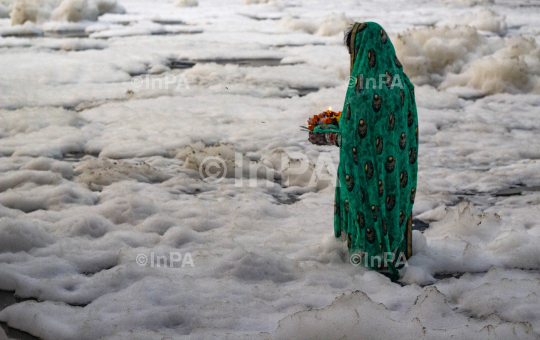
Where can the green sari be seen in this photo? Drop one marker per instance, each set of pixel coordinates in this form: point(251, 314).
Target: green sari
point(378, 140)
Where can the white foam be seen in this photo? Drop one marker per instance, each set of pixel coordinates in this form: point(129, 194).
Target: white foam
point(428, 54)
point(355, 315)
point(186, 3)
point(75, 10)
point(65, 27)
point(515, 68)
point(512, 287)
point(40, 11)
point(59, 127)
point(23, 236)
point(265, 252)
point(75, 44)
point(28, 29)
point(327, 26)
point(485, 20)
point(141, 28)
point(476, 242)
point(469, 3)
point(31, 10)
point(49, 164)
point(98, 172)
point(14, 42)
point(4, 11)
point(250, 2)
point(34, 197)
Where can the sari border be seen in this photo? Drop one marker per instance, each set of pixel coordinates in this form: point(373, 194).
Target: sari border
point(351, 46)
point(409, 237)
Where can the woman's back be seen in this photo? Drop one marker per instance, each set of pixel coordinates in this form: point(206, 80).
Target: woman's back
point(378, 137)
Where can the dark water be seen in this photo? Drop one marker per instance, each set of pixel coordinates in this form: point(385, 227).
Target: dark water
point(251, 62)
point(75, 157)
point(82, 34)
point(182, 64)
point(7, 299)
point(302, 91)
point(442, 276)
point(168, 21)
point(287, 200)
point(419, 225)
point(297, 45)
point(66, 34)
point(262, 17)
point(178, 32)
point(515, 191)
point(472, 97)
point(487, 199)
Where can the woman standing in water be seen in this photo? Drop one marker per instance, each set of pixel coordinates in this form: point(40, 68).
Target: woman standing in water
point(378, 140)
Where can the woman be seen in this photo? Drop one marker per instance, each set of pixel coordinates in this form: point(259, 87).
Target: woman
point(378, 140)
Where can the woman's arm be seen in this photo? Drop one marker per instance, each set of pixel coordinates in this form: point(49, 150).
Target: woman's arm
point(333, 138)
point(326, 134)
point(327, 138)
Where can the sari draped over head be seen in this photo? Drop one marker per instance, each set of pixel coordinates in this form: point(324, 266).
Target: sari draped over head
point(378, 140)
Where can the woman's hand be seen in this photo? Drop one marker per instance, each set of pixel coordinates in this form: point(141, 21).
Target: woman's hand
point(317, 138)
point(329, 138)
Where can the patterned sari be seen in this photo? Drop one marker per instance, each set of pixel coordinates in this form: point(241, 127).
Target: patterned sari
point(378, 140)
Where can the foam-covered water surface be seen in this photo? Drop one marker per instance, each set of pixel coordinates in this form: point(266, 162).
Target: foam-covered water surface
point(116, 116)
